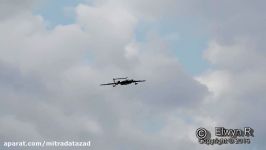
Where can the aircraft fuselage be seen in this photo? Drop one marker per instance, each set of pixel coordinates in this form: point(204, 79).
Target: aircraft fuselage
point(125, 82)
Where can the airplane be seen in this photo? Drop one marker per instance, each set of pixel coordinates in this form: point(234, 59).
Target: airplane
point(124, 81)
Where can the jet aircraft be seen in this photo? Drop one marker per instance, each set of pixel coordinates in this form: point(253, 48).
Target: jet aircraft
point(123, 81)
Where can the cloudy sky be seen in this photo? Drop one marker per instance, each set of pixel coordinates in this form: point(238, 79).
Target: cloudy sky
point(204, 62)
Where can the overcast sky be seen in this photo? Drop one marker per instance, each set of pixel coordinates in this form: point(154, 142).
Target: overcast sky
point(204, 62)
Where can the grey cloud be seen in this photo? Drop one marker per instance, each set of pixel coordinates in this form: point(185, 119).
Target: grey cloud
point(9, 8)
point(238, 49)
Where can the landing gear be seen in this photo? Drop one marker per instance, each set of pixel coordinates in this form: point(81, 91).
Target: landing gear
point(136, 83)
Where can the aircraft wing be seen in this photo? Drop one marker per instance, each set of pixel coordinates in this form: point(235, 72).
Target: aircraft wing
point(108, 84)
point(139, 80)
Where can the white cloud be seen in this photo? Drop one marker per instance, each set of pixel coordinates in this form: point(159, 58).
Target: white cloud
point(53, 87)
point(218, 82)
